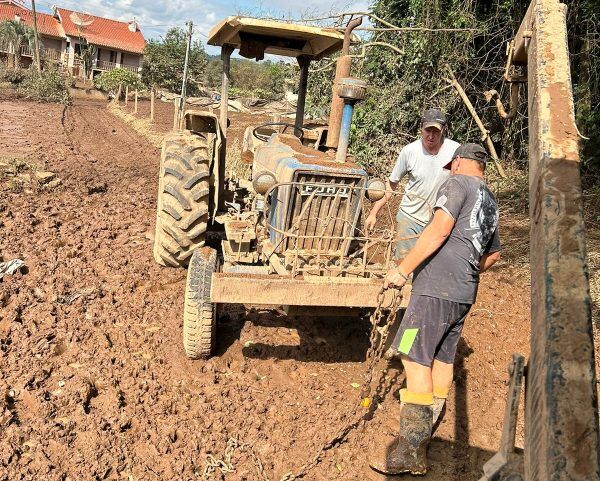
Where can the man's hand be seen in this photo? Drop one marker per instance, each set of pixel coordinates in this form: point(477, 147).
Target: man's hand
point(394, 279)
point(370, 222)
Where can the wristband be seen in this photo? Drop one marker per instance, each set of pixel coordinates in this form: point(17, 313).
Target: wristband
point(402, 275)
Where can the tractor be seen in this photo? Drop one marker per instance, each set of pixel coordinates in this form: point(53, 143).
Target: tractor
point(291, 234)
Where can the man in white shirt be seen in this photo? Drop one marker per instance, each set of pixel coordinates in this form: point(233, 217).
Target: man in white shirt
point(423, 160)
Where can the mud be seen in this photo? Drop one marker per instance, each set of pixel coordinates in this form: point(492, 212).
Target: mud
point(95, 384)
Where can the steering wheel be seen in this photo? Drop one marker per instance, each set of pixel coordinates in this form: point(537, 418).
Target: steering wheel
point(298, 132)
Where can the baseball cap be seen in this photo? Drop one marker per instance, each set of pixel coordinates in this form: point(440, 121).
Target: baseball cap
point(469, 151)
point(433, 118)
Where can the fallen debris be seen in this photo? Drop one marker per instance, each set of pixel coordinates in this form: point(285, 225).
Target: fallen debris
point(98, 188)
point(11, 267)
point(44, 177)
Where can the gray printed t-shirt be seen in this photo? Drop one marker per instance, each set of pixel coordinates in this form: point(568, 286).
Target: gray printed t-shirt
point(452, 273)
point(425, 175)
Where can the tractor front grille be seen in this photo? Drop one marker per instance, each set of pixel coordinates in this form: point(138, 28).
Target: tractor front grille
point(321, 207)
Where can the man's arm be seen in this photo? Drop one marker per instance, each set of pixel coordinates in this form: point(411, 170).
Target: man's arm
point(398, 172)
point(432, 238)
point(488, 260)
point(390, 187)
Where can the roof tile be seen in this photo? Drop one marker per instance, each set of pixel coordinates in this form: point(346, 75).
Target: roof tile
point(47, 24)
point(104, 32)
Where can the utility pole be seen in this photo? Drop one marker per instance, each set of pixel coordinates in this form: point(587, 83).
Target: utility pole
point(190, 26)
point(36, 41)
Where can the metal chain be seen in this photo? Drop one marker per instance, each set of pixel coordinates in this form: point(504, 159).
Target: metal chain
point(378, 336)
point(226, 466)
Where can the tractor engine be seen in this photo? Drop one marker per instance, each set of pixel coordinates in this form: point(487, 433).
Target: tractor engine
point(314, 202)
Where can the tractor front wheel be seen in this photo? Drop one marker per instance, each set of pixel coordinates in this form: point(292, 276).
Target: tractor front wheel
point(183, 198)
point(199, 313)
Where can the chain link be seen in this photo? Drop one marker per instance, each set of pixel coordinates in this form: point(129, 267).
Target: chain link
point(381, 320)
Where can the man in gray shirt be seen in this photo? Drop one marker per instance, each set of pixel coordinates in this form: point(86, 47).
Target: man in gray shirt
point(459, 243)
point(423, 161)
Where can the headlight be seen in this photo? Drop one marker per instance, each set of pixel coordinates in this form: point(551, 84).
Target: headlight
point(262, 182)
point(375, 190)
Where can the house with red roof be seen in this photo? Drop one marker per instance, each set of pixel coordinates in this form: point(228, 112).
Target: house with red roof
point(65, 34)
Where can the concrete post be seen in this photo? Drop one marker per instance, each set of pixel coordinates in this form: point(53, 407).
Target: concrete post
point(561, 417)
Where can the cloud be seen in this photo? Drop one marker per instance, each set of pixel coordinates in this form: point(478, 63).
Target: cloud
point(156, 17)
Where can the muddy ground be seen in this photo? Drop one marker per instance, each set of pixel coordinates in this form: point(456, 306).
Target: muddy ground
point(95, 384)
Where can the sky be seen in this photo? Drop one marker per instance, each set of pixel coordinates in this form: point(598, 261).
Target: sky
point(157, 16)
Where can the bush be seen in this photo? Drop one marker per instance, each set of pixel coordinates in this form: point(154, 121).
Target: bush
point(109, 81)
point(50, 87)
point(12, 75)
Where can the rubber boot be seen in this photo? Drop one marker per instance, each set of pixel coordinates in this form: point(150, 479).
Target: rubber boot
point(408, 452)
point(438, 407)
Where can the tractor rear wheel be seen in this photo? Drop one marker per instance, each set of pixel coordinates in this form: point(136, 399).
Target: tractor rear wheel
point(199, 313)
point(183, 198)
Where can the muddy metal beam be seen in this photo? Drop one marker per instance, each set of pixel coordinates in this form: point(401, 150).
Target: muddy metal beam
point(561, 427)
point(310, 291)
point(304, 63)
point(521, 41)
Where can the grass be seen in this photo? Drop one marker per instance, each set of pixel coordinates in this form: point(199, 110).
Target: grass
point(141, 126)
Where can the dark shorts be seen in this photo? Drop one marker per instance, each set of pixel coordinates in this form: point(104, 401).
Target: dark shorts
point(430, 329)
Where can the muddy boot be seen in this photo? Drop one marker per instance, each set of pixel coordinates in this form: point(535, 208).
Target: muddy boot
point(408, 452)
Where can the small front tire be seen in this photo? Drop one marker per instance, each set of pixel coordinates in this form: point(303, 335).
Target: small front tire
point(199, 313)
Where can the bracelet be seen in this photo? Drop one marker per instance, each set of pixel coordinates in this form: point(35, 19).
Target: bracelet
point(402, 275)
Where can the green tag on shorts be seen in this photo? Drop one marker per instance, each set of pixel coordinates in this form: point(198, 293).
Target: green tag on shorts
point(407, 341)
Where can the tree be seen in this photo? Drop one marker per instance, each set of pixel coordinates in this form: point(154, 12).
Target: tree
point(213, 73)
point(264, 79)
point(164, 60)
point(402, 85)
point(15, 34)
point(88, 53)
point(112, 80)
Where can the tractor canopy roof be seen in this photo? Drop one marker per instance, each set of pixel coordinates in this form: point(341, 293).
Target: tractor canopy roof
point(254, 38)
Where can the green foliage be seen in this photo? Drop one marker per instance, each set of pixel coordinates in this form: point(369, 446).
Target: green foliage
point(111, 80)
point(14, 34)
point(12, 75)
point(87, 54)
point(266, 80)
point(164, 60)
point(50, 87)
point(401, 86)
point(584, 45)
point(213, 74)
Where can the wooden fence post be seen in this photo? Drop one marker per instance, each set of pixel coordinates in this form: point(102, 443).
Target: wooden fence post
point(152, 95)
point(135, 105)
point(126, 94)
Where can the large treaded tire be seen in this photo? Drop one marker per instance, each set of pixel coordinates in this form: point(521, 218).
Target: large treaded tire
point(199, 313)
point(183, 198)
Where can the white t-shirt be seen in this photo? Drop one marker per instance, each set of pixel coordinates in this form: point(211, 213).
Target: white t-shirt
point(425, 175)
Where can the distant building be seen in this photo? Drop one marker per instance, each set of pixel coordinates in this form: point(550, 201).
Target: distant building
point(115, 44)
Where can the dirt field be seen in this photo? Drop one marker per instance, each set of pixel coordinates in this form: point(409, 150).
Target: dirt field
point(95, 384)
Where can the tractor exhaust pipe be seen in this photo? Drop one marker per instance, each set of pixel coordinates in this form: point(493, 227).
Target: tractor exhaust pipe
point(344, 62)
point(350, 90)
